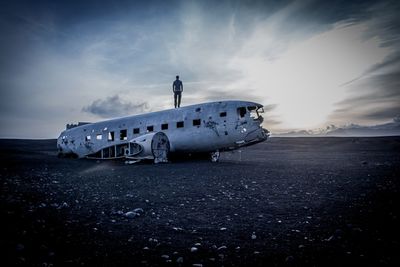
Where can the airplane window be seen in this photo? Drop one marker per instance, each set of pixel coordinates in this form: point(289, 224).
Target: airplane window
point(123, 135)
point(255, 112)
point(179, 124)
point(198, 109)
point(99, 137)
point(88, 137)
point(111, 136)
point(150, 128)
point(136, 130)
point(196, 122)
point(222, 114)
point(241, 111)
point(164, 126)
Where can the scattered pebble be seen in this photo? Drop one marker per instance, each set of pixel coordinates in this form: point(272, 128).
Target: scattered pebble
point(253, 236)
point(131, 214)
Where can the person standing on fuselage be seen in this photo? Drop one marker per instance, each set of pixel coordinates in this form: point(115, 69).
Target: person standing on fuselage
point(177, 88)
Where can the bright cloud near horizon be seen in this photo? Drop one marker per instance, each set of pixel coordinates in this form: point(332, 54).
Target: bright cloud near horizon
point(311, 63)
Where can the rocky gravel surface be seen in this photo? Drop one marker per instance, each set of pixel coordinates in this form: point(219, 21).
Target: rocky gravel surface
point(285, 202)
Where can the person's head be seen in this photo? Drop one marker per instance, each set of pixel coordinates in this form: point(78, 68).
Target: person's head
point(177, 77)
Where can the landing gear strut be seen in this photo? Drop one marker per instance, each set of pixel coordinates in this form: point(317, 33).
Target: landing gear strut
point(215, 156)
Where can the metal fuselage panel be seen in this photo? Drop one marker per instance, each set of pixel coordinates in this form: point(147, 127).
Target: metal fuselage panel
point(198, 128)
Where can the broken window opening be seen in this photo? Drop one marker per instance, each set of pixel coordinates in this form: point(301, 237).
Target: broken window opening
point(198, 109)
point(164, 126)
point(241, 112)
point(123, 135)
point(150, 128)
point(106, 152)
point(179, 124)
point(111, 136)
point(136, 130)
point(222, 114)
point(121, 149)
point(87, 138)
point(196, 122)
point(255, 112)
point(99, 137)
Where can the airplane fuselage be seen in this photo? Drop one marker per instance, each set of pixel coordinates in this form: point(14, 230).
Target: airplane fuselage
point(208, 127)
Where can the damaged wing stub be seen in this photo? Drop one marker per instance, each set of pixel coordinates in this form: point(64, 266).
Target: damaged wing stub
point(150, 146)
point(207, 128)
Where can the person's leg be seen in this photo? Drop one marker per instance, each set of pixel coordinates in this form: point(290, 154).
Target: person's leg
point(175, 95)
point(179, 100)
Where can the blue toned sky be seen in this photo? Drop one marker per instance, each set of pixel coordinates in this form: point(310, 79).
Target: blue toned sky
point(311, 63)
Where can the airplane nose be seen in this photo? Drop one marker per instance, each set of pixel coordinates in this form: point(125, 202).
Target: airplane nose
point(256, 135)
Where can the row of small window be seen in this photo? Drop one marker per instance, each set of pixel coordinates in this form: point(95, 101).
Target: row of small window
point(123, 135)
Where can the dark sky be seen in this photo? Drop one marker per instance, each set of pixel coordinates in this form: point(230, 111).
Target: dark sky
point(313, 63)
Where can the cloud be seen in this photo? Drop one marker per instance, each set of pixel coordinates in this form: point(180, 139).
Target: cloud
point(386, 129)
point(56, 57)
point(114, 106)
point(374, 96)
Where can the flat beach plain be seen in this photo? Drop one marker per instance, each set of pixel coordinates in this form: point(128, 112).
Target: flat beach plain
point(288, 201)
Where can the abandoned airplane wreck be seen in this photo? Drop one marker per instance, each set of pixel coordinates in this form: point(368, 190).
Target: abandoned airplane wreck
point(202, 128)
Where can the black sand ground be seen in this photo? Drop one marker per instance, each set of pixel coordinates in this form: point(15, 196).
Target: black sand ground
point(288, 201)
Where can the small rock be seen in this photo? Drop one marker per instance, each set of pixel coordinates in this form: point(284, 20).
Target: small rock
point(193, 249)
point(221, 247)
point(165, 257)
point(223, 228)
point(131, 214)
point(179, 260)
point(197, 265)
point(139, 211)
point(253, 236)
point(63, 205)
point(330, 238)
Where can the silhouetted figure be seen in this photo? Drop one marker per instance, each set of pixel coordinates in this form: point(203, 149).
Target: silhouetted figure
point(177, 88)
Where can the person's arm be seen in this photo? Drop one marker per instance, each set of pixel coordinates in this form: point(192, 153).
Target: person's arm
point(182, 86)
point(173, 87)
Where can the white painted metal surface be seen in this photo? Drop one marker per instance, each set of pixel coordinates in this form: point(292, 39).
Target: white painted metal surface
point(207, 127)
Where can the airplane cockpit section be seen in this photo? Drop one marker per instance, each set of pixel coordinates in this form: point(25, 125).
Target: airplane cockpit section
point(208, 127)
point(255, 113)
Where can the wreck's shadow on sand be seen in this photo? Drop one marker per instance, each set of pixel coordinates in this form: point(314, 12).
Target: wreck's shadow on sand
point(288, 201)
